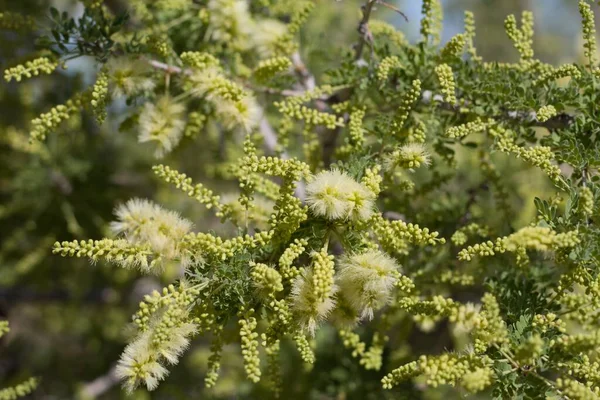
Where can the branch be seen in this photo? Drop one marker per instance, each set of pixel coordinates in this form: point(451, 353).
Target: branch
point(363, 28)
point(560, 121)
point(100, 385)
point(307, 80)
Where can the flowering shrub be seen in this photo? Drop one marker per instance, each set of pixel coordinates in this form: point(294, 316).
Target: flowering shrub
point(372, 199)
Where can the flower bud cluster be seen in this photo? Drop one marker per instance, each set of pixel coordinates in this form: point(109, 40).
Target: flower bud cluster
point(589, 32)
point(306, 352)
point(454, 48)
point(470, 35)
point(293, 107)
point(119, 251)
point(491, 328)
point(214, 360)
point(471, 372)
point(16, 22)
point(184, 183)
point(266, 279)
point(446, 79)
point(386, 66)
point(461, 236)
point(21, 390)
point(382, 29)
point(576, 390)
point(249, 338)
point(547, 322)
point(431, 21)
point(393, 234)
point(294, 250)
point(586, 201)
point(47, 122)
point(268, 69)
point(546, 112)
point(372, 179)
point(42, 65)
point(100, 97)
point(195, 123)
point(408, 100)
point(529, 350)
point(199, 60)
point(522, 38)
point(558, 73)
point(4, 328)
point(460, 131)
point(536, 238)
point(356, 133)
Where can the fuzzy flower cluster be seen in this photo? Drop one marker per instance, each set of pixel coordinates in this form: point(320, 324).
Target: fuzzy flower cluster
point(165, 331)
point(128, 76)
point(145, 223)
point(336, 196)
point(233, 106)
point(162, 122)
point(366, 280)
point(410, 156)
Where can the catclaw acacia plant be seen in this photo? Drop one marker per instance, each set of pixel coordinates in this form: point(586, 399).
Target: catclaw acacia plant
point(348, 185)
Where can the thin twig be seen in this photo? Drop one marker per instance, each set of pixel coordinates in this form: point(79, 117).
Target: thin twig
point(391, 7)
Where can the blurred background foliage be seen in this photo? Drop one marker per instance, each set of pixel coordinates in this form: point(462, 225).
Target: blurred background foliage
point(67, 316)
